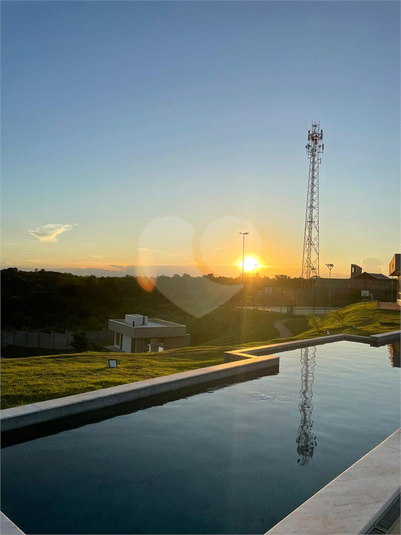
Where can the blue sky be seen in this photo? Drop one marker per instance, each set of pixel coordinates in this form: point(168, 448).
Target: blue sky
point(115, 114)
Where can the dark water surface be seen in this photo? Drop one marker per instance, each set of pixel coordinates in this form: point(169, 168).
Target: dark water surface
point(233, 460)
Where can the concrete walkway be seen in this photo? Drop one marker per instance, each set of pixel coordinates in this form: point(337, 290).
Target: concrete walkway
point(284, 332)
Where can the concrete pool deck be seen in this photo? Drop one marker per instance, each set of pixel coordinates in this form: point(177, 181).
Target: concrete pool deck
point(353, 501)
point(7, 527)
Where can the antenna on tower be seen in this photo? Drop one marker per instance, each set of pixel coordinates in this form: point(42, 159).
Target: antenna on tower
point(310, 257)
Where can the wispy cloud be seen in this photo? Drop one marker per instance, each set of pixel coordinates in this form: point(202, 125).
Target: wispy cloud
point(49, 232)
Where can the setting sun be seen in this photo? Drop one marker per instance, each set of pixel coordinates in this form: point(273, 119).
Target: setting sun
point(250, 263)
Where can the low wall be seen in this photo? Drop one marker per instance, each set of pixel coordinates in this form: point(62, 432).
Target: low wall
point(52, 340)
point(36, 340)
point(374, 340)
point(239, 354)
point(385, 338)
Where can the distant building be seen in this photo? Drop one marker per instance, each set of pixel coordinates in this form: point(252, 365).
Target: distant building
point(380, 286)
point(394, 271)
point(346, 291)
point(138, 334)
point(372, 276)
point(355, 270)
point(356, 273)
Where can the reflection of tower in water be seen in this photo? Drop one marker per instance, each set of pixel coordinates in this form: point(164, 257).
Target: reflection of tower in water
point(394, 352)
point(306, 440)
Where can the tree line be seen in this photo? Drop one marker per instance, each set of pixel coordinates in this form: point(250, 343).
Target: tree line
point(53, 301)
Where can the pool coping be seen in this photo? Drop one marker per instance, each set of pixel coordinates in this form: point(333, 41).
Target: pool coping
point(374, 340)
point(7, 526)
point(353, 501)
point(55, 409)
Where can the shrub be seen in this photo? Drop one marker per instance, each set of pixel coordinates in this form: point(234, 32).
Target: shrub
point(80, 342)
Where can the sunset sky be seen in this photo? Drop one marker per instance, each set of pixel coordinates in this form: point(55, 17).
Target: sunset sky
point(153, 132)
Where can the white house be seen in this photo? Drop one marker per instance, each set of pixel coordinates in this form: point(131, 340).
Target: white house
point(137, 334)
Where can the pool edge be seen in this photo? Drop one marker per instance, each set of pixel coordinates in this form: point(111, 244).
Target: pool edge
point(54, 409)
point(352, 502)
point(249, 352)
point(8, 527)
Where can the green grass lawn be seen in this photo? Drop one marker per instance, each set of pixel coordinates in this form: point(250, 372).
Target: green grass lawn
point(33, 379)
point(361, 319)
point(297, 325)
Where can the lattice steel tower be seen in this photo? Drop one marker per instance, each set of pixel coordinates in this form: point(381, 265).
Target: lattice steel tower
point(310, 258)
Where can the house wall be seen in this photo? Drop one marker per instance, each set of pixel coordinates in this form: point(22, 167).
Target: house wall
point(136, 339)
point(139, 345)
point(176, 341)
point(159, 331)
point(126, 344)
point(137, 318)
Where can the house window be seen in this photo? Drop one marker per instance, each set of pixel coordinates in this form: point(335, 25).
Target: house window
point(118, 339)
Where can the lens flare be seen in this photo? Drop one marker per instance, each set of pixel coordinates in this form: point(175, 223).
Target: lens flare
point(250, 263)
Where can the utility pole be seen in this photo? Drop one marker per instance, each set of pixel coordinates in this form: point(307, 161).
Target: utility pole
point(310, 257)
point(243, 287)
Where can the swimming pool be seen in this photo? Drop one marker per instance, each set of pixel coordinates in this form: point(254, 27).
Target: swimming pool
point(231, 460)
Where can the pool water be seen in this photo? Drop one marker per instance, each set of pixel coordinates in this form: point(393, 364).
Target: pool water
point(231, 460)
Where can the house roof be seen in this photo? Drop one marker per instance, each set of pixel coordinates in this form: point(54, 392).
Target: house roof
point(379, 276)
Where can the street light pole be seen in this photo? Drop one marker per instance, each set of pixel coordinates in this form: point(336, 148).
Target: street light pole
point(313, 278)
point(243, 287)
point(254, 286)
point(330, 267)
point(243, 253)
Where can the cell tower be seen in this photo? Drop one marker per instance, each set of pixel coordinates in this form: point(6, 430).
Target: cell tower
point(310, 258)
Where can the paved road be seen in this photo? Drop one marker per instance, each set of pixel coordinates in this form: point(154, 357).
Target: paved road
point(282, 329)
